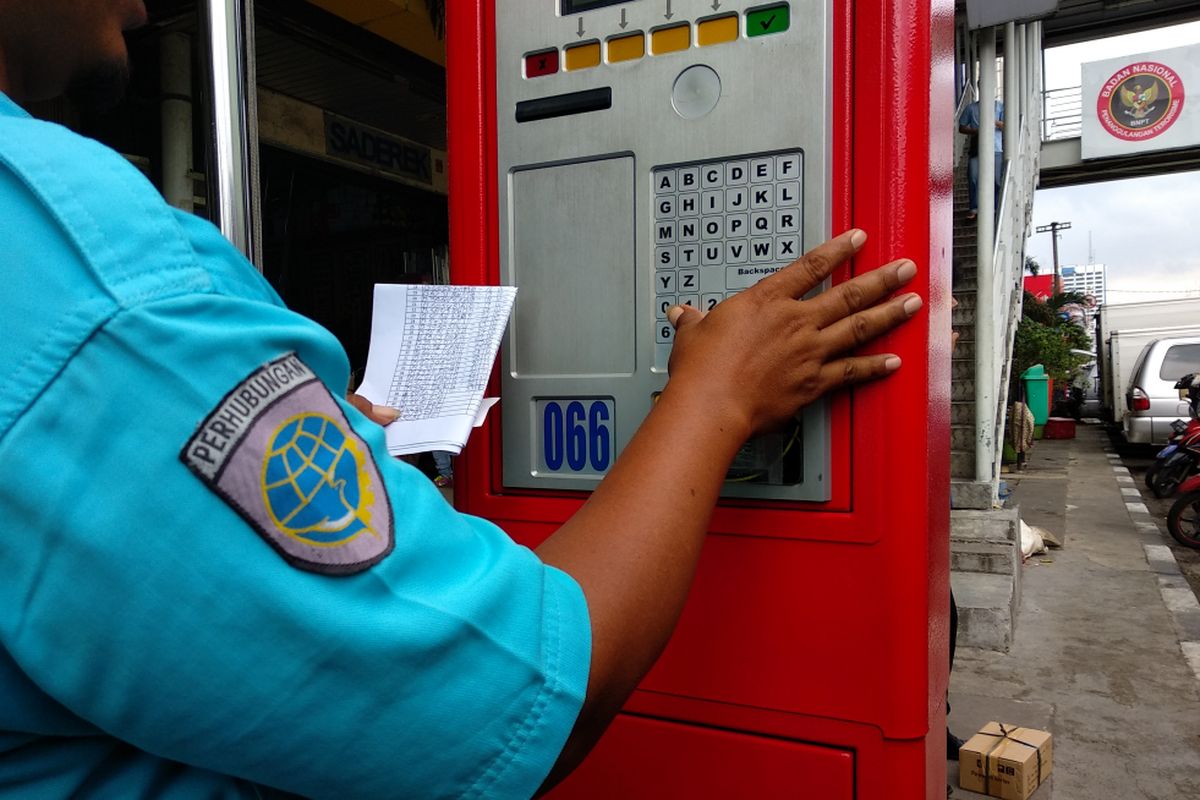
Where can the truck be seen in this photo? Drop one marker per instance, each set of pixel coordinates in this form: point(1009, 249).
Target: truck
point(1123, 330)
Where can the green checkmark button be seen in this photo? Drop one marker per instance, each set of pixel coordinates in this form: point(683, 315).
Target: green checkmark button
point(771, 19)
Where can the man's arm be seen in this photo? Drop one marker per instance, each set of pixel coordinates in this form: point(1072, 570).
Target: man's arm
point(742, 369)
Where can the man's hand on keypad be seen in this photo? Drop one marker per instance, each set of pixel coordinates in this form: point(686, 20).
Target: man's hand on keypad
point(764, 353)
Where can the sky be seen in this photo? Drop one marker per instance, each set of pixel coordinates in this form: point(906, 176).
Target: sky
point(1146, 231)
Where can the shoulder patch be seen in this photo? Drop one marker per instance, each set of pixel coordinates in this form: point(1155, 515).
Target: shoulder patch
point(279, 450)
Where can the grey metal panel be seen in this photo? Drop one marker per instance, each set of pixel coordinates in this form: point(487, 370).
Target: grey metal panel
point(573, 248)
point(985, 13)
point(774, 94)
point(1062, 164)
point(1084, 20)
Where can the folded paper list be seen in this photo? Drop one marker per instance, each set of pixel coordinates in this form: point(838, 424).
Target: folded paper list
point(431, 353)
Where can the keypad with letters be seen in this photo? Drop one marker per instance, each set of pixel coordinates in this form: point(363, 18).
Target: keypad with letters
point(721, 226)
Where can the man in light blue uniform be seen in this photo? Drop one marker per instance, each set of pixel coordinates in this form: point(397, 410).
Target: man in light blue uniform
point(146, 603)
point(968, 123)
point(216, 584)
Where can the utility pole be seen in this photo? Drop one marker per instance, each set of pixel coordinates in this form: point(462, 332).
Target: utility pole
point(1053, 228)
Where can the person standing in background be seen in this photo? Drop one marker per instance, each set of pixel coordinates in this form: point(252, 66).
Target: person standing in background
point(968, 123)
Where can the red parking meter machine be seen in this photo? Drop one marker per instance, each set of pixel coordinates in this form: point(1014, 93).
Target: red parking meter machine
point(611, 159)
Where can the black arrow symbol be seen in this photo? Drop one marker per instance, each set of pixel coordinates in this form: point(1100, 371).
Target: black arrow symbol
point(580, 31)
point(668, 15)
point(766, 23)
point(716, 4)
point(623, 22)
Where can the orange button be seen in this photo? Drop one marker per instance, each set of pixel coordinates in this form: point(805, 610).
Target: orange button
point(717, 31)
point(626, 48)
point(671, 40)
point(582, 56)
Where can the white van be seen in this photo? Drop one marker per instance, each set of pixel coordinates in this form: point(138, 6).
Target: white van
point(1152, 402)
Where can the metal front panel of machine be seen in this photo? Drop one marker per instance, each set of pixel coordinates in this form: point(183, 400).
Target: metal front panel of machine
point(649, 153)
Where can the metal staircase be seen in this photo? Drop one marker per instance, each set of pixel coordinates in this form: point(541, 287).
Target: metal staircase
point(965, 287)
point(987, 283)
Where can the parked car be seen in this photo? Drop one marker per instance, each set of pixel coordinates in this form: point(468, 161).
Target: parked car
point(1122, 330)
point(1152, 402)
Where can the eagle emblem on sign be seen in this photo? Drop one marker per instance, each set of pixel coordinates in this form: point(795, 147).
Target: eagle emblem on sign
point(1138, 101)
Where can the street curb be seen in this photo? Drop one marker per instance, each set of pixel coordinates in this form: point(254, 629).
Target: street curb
point(1177, 595)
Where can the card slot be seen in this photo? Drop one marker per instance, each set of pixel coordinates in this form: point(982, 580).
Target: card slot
point(564, 105)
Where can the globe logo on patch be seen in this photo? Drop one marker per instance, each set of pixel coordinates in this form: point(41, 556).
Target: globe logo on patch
point(314, 482)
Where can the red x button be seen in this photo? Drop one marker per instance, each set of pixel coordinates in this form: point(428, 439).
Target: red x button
point(544, 63)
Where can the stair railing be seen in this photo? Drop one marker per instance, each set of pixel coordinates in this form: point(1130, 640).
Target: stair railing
point(1002, 266)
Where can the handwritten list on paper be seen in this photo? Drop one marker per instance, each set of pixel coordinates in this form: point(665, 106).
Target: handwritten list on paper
point(430, 356)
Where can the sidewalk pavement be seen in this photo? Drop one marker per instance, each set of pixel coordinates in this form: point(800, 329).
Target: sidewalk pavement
point(1096, 658)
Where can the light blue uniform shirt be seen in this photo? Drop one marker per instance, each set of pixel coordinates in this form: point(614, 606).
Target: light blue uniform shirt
point(153, 641)
point(970, 119)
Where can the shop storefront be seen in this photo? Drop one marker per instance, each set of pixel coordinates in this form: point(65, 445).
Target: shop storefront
point(312, 133)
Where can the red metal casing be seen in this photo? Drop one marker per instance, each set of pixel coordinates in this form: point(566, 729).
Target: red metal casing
point(811, 659)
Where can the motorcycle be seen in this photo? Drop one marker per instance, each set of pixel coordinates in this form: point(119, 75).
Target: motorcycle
point(1181, 457)
point(1177, 460)
point(1068, 403)
point(1183, 520)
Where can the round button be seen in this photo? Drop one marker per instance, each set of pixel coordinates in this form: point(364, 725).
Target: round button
point(696, 91)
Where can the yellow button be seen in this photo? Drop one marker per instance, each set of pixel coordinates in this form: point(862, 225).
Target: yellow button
point(582, 56)
point(671, 40)
point(626, 48)
point(717, 31)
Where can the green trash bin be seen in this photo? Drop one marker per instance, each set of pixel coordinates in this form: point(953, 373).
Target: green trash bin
point(1037, 395)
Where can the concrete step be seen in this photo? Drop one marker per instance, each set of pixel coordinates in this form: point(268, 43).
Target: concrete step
point(962, 412)
point(962, 464)
point(987, 557)
point(987, 608)
point(962, 366)
point(962, 438)
point(968, 493)
point(962, 390)
point(995, 526)
point(966, 300)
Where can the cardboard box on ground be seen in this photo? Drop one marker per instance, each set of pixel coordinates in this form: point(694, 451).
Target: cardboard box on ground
point(1005, 761)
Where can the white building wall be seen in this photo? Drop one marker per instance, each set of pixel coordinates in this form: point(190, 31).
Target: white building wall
point(1085, 278)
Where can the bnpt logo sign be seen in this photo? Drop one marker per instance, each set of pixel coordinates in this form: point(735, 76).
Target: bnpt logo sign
point(1140, 101)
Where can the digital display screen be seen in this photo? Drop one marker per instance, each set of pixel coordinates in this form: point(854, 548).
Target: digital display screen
point(578, 6)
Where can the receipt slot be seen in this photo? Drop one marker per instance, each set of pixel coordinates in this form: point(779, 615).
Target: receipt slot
point(612, 159)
